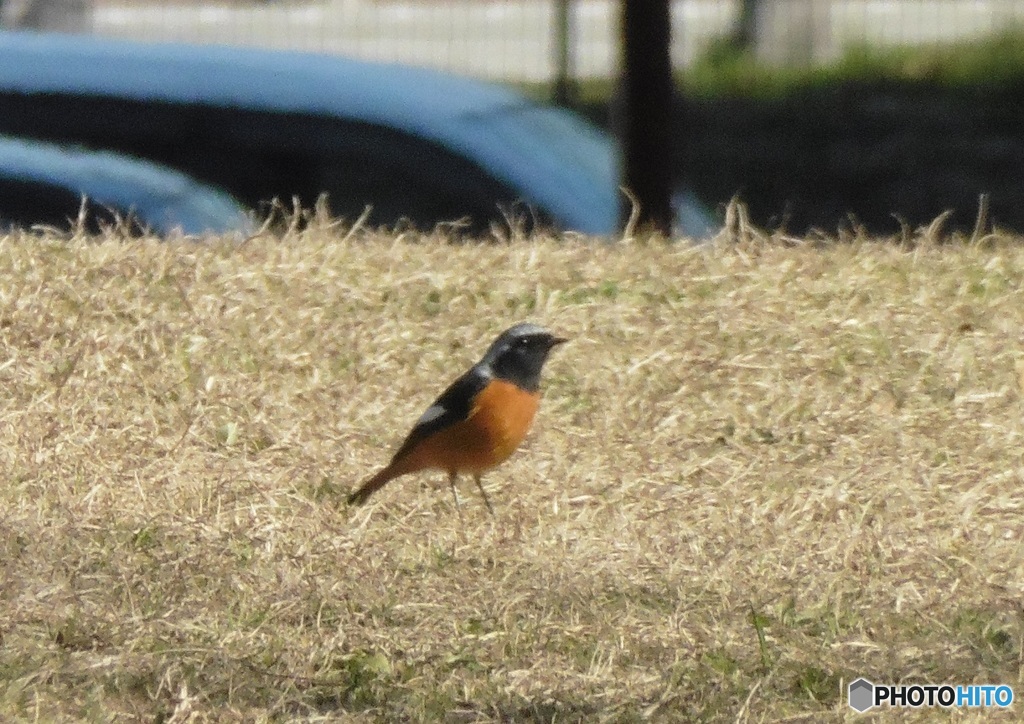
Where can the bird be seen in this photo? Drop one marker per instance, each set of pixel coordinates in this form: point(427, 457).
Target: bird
point(480, 419)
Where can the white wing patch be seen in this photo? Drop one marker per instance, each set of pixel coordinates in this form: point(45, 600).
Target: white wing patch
point(432, 413)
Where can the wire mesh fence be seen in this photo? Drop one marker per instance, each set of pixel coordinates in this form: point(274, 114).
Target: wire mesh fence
point(511, 40)
point(524, 40)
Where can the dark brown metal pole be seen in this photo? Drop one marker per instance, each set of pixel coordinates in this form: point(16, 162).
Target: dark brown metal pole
point(645, 120)
point(565, 73)
point(746, 25)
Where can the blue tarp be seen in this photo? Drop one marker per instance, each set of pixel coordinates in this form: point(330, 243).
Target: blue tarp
point(160, 198)
point(552, 158)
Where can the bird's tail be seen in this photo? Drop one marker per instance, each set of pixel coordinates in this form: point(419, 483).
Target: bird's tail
point(370, 487)
point(401, 464)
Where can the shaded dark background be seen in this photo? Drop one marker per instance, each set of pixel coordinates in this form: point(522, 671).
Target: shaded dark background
point(857, 153)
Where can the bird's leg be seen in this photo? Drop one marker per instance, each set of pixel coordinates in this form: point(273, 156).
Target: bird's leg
point(484, 493)
point(452, 475)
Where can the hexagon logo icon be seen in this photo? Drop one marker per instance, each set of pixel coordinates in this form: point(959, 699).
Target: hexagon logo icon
point(860, 695)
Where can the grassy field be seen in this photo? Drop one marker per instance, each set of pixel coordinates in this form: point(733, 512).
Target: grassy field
point(761, 470)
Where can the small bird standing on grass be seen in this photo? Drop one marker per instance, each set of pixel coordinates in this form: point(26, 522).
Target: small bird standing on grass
point(479, 421)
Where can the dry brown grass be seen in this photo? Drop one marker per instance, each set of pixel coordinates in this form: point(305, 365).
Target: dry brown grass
point(760, 470)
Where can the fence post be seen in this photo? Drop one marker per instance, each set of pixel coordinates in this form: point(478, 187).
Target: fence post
point(565, 80)
point(645, 121)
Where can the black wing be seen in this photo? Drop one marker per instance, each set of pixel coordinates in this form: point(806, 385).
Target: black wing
point(454, 405)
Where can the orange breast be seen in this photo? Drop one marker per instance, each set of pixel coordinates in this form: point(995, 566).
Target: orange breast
point(496, 425)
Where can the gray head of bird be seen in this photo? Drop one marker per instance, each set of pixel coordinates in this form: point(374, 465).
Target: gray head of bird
point(520, 352)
